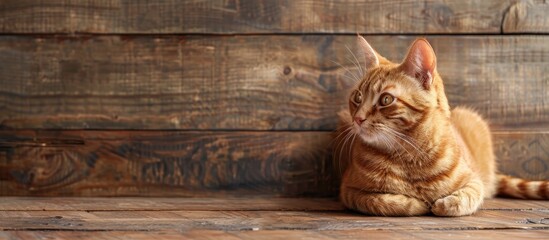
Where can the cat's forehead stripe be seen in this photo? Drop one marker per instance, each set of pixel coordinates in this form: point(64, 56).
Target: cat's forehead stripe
point(366, 80)
point(390, 86)
point(379, 86)
point(369, 80)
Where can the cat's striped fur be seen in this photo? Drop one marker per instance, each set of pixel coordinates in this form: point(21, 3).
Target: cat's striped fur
point(403, 152)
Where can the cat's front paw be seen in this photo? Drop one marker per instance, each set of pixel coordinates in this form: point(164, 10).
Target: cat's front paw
point(447, 206)
point(450, 206)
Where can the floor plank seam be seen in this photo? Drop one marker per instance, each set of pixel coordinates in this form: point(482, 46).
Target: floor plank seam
point(274, 229)
point(76, 230)
point(485, 228)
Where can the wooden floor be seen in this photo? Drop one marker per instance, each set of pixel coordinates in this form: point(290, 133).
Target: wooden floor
point(260, 218)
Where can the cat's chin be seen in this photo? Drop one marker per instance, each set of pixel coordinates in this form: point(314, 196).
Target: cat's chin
point(374, 137)
point(368, 136)
point(369, 139)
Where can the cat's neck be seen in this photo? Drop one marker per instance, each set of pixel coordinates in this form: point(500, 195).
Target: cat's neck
point(436, 138)
point(424, 144)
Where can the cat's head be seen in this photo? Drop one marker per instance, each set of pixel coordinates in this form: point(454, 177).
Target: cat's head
point(393, 98)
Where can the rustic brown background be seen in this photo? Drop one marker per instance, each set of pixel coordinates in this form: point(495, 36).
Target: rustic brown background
point(238, 97)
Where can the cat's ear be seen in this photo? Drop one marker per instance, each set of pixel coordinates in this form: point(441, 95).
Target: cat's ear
point(369, 55)
point(421, 62)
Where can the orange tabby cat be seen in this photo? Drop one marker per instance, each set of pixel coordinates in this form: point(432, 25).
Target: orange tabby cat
point(408, 153)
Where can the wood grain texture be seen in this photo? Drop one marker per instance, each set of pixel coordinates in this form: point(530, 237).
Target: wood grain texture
point(248, 82)
point(527, 16)
point(261, 220)
point(529, 234)
point(254, 16)
point(182, 163)
point(526, 234)
point(522, 154)
point(199, 204)
point(215, 204)
point(147, 163)
point(252, 218)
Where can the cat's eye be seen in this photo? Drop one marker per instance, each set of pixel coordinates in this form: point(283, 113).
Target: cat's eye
point(357, 98)
point(386, 99)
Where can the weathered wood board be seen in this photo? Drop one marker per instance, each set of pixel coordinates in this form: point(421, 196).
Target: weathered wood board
point(215, 204)
point(186, 163)
point(197, 204)
point(527, 16)
point(248, 82)
point(261, 220)
point(523, 234)
point(273, 16)
point(165, 163)
point(253, 218)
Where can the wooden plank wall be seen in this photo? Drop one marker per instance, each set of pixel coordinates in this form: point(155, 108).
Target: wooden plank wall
point(238, 98)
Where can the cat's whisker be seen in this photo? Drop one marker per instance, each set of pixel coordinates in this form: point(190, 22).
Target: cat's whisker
point(349, 78)
point(347, 70)
point(398, 152)
point(351, 147)
point(413, 157)
point(347, 137)
point(387, 142)
point(343, 126)
point(420, 153)
point(352, 137)
point(339, 145)
point(336, 156)
point(356, 62)
point(410, 141)
point(392, 134)
point(359, 71)
point(348, 128)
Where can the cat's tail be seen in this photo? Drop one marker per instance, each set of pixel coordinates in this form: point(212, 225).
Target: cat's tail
point(520, 188)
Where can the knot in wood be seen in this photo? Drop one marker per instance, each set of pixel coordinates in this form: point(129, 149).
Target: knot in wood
point(287, 70)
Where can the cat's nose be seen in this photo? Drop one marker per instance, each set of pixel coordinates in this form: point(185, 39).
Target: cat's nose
point(359, 120)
